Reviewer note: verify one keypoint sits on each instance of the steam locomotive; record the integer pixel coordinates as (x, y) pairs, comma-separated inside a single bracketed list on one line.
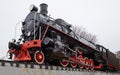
[(52, 41)]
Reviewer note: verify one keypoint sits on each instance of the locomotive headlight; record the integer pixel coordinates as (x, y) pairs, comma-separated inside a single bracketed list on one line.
[(28, 34), (33, 8)]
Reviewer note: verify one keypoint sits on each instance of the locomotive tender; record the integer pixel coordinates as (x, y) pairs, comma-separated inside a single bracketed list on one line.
[(52, 41)]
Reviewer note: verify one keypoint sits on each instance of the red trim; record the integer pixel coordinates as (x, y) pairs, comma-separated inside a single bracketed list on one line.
[(45, 33), (23, 54), (74, 58), (99, 66), (86, 62), (112, 66), (80, 52), (11, 51), (64, 63), (91, 63), (31, 44), (69, 36), (73, 65), (39, 57)]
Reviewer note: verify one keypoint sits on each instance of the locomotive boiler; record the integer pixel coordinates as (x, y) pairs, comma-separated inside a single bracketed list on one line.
[(45, 40)]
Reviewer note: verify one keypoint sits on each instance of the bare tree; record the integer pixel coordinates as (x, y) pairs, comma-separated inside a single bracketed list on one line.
[(118, 54), (80, 31)]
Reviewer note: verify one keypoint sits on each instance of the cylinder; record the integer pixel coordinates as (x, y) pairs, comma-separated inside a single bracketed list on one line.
[(43, 8)]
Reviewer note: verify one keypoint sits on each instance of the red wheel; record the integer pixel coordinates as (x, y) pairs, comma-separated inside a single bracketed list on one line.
[(91, 64), (39, 57), (64, 63), (81, 61), (86, 62), (73, 65)]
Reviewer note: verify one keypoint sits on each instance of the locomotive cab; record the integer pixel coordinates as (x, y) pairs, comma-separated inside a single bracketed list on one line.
[(108, 58)]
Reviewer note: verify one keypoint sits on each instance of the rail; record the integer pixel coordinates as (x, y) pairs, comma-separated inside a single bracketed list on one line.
[(26, 68)]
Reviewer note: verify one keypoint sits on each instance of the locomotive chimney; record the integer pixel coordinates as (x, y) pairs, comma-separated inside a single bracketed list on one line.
[(43, 8)]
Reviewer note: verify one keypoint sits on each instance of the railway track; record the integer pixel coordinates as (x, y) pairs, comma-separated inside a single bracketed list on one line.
[(26, 68)]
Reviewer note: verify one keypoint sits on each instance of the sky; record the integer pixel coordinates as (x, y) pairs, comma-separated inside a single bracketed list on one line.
[(98, 17)]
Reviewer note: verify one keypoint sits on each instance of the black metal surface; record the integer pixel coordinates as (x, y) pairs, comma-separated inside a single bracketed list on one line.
[(43, 8)]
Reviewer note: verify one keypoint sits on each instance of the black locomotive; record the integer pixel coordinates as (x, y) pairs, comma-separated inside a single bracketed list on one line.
[(52, 41)]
